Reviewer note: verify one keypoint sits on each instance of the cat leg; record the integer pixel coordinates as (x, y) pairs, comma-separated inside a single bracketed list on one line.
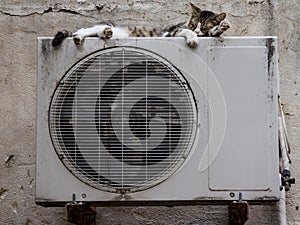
[(79, 35), (191, 37), (60, 36), (102, 31), (220, 29)]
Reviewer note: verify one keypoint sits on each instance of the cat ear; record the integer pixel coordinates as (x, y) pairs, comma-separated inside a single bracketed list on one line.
[(220, 17), (195, 9)]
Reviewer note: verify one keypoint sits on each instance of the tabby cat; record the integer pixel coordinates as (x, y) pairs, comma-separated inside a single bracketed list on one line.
[(207, 23), (202, 23)]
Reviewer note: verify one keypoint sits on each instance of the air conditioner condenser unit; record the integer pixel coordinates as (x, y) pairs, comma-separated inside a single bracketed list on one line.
[(152, 121)]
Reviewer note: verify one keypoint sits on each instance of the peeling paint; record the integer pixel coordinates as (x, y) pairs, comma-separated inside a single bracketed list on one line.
[(3, 193), (9, 159), (21, 189), (14, 208), (100, 7), (252, 2), (28, 173), (22, 11), (30, 183), (29, 11)]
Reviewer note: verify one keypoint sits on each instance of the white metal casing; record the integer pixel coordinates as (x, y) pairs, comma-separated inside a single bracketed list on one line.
[(235, 84)]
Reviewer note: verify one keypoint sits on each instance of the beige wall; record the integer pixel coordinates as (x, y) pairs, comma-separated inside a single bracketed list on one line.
[(23, 21)]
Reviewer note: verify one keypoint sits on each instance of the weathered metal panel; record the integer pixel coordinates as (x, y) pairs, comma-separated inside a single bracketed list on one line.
[(235, 86)]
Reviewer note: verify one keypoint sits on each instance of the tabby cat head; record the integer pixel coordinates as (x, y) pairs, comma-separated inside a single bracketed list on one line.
[(204, 20)]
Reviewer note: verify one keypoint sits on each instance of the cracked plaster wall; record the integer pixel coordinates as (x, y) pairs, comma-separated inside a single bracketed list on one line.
[(23, 21)]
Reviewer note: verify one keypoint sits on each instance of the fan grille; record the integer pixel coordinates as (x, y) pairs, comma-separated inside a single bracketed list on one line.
[(122, 119)]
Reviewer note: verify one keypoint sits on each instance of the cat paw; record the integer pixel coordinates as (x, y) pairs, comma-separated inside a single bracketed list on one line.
[(107, 33), (217, 31), (224, 25), (193, 42), (77, 39)]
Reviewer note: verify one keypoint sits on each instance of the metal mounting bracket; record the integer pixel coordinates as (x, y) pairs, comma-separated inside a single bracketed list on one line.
[(238, 212), (80, 213)]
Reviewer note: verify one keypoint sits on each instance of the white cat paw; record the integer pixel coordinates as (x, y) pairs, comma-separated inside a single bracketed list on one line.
[(193, 42), (77, 39)]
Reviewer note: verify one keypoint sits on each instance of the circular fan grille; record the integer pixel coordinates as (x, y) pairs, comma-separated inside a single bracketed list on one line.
[(122, 119)]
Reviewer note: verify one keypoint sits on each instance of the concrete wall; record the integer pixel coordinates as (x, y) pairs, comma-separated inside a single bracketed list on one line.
[(23, 21)]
